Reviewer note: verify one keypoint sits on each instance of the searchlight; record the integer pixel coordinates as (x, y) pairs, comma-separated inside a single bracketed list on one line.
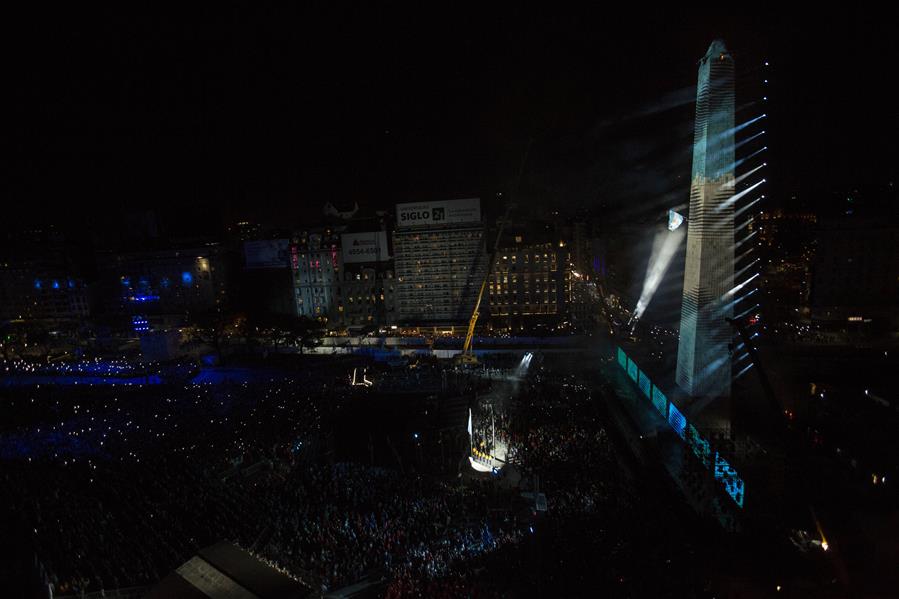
[(675, 220)]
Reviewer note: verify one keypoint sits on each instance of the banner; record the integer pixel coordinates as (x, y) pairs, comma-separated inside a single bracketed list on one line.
[(448, 212), (364, 247)]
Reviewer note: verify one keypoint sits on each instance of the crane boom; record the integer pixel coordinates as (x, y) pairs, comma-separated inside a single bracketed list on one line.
[(466, 356)]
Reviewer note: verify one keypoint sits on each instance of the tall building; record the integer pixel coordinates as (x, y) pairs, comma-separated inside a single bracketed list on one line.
[(440, 261), (703, 357)]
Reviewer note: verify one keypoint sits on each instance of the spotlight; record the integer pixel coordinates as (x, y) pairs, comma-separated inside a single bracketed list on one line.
[(674, 220)]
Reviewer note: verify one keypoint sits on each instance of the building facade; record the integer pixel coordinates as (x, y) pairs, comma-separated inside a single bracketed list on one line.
[(529, 285), (440, 261), (164, 282), (341, 285), (703, 357)]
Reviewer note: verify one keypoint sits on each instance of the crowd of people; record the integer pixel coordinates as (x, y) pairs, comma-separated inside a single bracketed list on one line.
[(120, 485)]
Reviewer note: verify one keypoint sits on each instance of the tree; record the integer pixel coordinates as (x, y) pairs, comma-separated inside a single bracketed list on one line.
[(282, 329), (215, 328)]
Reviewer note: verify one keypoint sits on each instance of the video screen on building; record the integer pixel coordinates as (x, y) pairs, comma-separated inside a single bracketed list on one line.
[(632, 370), (622, 358)]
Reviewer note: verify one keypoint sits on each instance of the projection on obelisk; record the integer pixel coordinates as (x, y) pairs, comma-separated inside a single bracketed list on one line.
[(703, 358)]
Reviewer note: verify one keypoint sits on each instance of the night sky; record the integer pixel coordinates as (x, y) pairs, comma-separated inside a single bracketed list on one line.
[(232, 114)]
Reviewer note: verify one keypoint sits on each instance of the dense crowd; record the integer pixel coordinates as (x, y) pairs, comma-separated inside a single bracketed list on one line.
[(121, 485)]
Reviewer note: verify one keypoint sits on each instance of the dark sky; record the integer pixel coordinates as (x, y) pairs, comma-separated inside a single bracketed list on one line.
[(238, 113)]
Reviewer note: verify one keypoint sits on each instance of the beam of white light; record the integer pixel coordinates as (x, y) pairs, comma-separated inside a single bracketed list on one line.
[(749, 173), (749, 139), (741, 126), (712, 367), (745, 239), (745, 268), (732, 199), (741, 285), (745, 314), (744, 371), (748, 206), (743, 297), (743, 255), (743, 226), (664, 246)]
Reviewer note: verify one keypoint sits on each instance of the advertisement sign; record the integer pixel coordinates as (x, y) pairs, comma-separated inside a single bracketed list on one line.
[(449, 212), (364, 247), (266, 253)]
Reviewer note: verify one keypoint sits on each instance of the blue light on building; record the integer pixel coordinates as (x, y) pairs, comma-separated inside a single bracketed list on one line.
[(187, 278), (37, 283), (126, 281), (140, 324), (55, 284), (144, 298)]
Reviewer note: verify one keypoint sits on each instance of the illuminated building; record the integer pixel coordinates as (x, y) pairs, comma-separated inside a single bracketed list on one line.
[(316, 267), (340, 285), (440, 261), (703, 362), (171, 281), (528, 284), (39, 279)]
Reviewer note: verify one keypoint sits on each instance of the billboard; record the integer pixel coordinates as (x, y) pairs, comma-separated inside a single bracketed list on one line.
[(266, 253), (364, 247), (449, 212)]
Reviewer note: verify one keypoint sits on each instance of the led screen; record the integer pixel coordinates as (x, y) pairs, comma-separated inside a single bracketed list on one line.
[(700, 446), (733, 484), (644, 384), (660, 401), (622, 358), (632, 370), (676, 420)]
